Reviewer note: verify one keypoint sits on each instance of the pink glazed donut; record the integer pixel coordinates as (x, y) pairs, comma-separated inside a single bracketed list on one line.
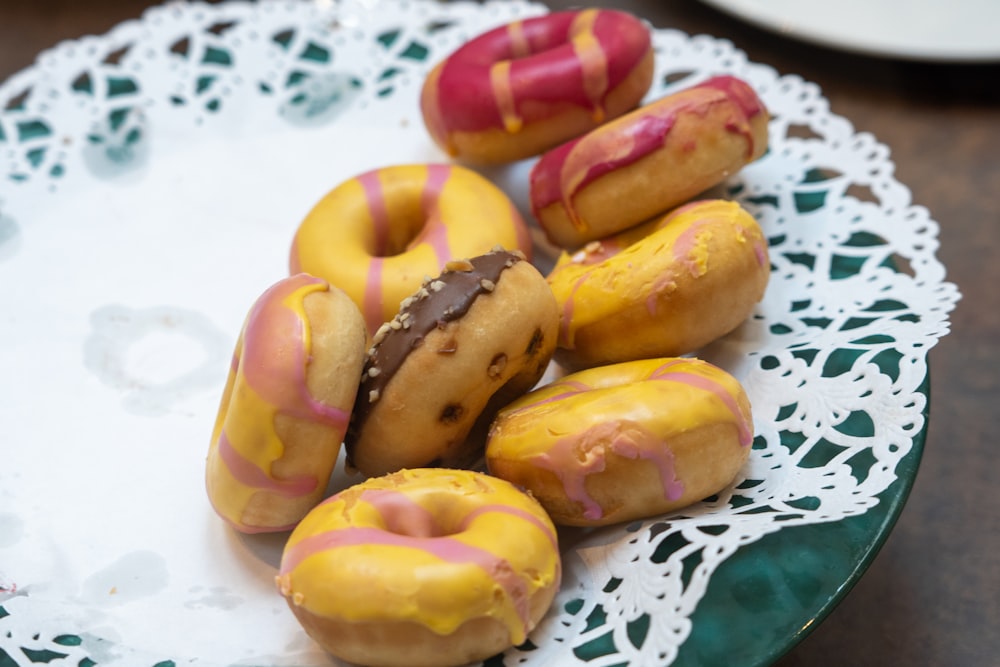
[(648, 161), (525, 87)]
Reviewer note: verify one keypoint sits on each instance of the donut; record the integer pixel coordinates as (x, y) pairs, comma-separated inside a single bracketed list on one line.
[(648, 161), (624, 441), (665, 288), (465, 344), (286, 404), (422, 568), (377, 235), (520, 89)]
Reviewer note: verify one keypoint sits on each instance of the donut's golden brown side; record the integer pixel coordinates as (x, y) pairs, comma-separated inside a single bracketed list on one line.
[(472, 340), (624, 441), (666, 288), (425, 567), (648, 161), (377, 643), (286, 405)]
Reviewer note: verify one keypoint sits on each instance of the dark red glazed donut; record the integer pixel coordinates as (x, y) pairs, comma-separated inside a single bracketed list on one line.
[(520, 89)]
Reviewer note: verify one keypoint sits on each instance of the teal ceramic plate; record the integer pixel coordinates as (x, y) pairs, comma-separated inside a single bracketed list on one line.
[(151, 182)]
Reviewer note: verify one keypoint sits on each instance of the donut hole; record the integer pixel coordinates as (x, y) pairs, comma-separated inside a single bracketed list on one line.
[(497, 365), (411, 225), (440, 512), (408, 213)]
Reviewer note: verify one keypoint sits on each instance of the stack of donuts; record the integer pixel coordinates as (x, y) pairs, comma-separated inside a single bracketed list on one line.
[(415, 330)]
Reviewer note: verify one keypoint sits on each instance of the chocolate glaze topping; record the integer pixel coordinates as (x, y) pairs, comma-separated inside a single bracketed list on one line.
[(439, 301)]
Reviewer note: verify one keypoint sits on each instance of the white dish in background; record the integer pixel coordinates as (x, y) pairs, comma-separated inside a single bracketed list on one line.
[(931, 30)]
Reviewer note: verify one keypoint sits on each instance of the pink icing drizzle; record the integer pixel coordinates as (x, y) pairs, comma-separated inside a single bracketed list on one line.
[(371, 303), (375, 199), (562, 172), (524, 515), (447, 549), (434, 232), (606, 249), (572, 389), (401, 514), (739, 92), (274, 359), (709, 385), (249, 474), (575, 457)]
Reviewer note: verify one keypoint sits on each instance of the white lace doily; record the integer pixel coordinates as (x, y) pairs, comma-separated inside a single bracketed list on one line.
[(150, 184)]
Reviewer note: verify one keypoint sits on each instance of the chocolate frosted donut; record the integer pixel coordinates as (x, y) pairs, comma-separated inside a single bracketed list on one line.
[(464, 345)]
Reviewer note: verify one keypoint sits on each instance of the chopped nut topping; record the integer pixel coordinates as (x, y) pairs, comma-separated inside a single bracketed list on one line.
[(373, 395), (381, 333), (374, 371), (395, 324), (497, 366), (459, 265), (487, 285), (437, 285)]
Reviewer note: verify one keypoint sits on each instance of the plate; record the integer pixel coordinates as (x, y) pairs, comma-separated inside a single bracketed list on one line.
[(152, 180), (964, 31)]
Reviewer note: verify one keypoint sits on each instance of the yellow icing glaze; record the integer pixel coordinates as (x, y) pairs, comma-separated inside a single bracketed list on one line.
[(646, 264), (376, 236), (245, 443), (631, 410), (436, 547), (504, 93), (520, 47), (593, 61)]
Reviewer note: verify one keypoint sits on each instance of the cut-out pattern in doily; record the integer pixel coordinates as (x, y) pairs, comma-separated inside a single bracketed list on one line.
[(833, 359)]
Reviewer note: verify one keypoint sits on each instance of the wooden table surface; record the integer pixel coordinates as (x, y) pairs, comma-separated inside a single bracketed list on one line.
[(932, 596)]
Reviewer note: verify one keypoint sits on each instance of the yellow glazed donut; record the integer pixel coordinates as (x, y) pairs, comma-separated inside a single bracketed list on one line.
[(648, 161), (286, 405), (624, 441), (527, 86), (665, 288), (465, 344), (376, 236), (425, 567)]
